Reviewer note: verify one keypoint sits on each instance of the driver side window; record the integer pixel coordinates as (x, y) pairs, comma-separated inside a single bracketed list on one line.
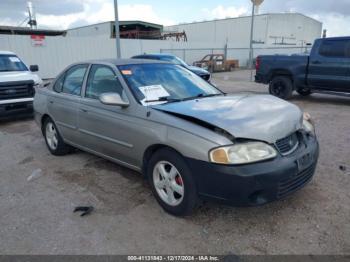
[(102, 80)]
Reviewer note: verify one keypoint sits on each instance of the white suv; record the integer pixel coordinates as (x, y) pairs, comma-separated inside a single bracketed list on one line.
[(17, 85)]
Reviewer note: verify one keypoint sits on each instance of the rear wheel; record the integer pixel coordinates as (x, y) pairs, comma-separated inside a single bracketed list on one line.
[(304, 91), (282, 87), (53, 139), (172, 182)]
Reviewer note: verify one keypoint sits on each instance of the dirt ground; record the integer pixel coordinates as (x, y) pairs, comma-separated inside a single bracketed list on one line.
[(36, 212)]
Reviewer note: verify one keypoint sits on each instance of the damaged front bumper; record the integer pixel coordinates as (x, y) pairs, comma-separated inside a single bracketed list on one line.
[(257, 183)]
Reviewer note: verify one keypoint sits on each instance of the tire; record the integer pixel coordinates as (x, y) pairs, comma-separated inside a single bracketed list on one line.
[(304, 91), (53, 139), (178, 179), (282, 87)]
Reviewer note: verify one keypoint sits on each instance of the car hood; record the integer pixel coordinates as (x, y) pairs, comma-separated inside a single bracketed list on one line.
[(197, 70), (259, 117), (19, 76)]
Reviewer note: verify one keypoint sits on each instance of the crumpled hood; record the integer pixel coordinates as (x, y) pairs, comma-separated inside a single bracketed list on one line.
[(19, 76), (259, 117)]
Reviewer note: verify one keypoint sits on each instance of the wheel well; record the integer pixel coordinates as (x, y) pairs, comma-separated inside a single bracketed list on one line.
[(43, 119), (281, 73), (150, 151)]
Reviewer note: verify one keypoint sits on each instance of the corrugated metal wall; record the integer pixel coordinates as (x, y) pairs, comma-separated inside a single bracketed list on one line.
[(268, 28), (58, 52)]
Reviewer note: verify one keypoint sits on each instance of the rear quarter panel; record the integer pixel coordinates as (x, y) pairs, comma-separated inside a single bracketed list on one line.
[(294, 65)]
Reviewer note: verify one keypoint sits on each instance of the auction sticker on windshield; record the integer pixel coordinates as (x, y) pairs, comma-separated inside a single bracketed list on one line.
[(153, 92)]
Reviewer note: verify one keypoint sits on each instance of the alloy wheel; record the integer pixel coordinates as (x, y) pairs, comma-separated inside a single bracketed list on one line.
[(168, 183), (51, 136)]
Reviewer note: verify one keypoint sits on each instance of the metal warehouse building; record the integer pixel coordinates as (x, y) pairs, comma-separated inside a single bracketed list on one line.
[(270, 29)]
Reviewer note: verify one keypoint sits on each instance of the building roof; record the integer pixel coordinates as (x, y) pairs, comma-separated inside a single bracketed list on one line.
[(147, 24), (246, 16), (15, 30), (124, 23)]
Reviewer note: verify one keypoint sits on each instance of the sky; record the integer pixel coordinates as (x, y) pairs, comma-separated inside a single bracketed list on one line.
[(63, 14)]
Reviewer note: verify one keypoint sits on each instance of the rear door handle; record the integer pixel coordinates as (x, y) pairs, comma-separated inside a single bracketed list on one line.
[(83, 110), (316, 62), (51, 102)]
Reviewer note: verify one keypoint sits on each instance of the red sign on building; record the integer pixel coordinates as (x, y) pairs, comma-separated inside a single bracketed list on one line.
[(37, 40)]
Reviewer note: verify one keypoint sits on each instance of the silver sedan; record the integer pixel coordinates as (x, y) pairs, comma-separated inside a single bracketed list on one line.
[(189, 139)]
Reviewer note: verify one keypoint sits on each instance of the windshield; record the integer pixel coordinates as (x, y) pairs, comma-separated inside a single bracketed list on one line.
[(175, 60), (162, 83), (11, 63)]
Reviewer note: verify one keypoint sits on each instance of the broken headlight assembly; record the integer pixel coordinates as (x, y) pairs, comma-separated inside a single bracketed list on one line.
[(242, 153), (308, 125)]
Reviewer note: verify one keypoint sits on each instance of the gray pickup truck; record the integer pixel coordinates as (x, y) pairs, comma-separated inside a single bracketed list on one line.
[(325, 70)]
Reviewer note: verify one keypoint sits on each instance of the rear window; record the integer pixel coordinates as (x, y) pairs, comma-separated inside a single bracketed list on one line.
[(335, 48)]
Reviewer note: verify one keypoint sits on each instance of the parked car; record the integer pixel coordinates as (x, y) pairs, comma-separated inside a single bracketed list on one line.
[(187, 137), (217, 63), (325, 70), (17, 85), (177, 61)]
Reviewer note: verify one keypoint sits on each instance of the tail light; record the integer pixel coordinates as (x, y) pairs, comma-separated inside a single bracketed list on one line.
[(257, 63)]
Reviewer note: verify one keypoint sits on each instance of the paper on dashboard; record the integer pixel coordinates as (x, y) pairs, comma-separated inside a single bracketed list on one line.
[(153, 92)]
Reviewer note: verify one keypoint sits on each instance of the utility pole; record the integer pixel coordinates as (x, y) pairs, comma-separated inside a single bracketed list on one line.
[(255, 3), (251, 37), (116, 24)]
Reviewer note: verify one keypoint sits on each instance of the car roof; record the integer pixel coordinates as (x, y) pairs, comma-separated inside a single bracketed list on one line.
[(129, 61), (336, 38), (6, 53), (155, 55)]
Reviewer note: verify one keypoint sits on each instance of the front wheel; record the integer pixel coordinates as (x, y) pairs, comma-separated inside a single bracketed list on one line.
[(282, 87), (172, 182)]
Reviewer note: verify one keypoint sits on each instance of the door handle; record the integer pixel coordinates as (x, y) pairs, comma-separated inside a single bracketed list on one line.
[(51, 102), (316, 62), (83, 110)]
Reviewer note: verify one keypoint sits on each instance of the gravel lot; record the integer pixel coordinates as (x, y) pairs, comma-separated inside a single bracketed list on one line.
[(36, 216)]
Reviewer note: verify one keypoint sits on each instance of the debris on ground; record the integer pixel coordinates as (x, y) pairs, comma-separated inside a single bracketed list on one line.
[(35, 174), (342, 168), (86, 210)]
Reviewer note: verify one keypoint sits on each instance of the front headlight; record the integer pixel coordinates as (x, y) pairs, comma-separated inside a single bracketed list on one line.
[(242, 153), (307, 124)]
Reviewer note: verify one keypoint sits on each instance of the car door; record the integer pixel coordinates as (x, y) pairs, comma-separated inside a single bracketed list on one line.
[(329, 68), (219, 62), (106, 129), (63, 103)]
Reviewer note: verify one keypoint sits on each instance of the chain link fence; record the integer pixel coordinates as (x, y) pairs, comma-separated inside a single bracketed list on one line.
[(191, 55)]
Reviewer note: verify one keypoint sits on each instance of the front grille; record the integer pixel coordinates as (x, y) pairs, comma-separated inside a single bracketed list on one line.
[(288, 144), (294, 183), (13, 90)]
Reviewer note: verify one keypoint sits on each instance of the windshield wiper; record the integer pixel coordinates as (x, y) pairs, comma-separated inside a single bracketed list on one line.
[(165, 99), (201, 95)]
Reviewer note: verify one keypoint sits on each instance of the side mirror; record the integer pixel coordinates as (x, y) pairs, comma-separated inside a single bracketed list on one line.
[(34, 68), (113, 99)]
